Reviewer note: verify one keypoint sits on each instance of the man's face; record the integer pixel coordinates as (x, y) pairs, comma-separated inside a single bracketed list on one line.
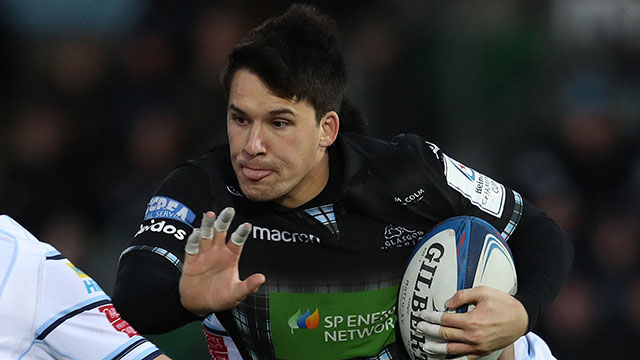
[(277, 146)]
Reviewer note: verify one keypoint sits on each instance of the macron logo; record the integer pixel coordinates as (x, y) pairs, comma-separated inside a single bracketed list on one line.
[(167, 208)]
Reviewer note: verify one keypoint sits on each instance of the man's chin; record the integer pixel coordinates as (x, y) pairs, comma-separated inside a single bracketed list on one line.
[(258, 192)]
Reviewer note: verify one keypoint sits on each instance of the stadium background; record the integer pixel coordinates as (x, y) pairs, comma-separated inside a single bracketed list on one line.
[(100, 100)]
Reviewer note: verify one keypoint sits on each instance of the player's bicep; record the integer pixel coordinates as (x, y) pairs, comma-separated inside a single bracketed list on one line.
[(480, 195), (150, 266), (163, 237), (466, 191), (171, 213)]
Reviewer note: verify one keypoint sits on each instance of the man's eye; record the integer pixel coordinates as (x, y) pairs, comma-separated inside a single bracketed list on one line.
[(239, 119), (279, 124)]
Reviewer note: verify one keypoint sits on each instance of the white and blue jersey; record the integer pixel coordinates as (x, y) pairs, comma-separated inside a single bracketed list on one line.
[(49, 309), (532, 347)]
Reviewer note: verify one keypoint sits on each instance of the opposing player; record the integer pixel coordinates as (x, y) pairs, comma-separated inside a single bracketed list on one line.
[(49, 309), (334, 218)]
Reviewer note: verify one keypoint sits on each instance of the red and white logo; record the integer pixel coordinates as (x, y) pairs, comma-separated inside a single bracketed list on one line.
[(217, 347), (116, 321)]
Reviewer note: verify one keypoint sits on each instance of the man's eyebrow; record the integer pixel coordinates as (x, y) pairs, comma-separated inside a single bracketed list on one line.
[(282, 111), (274, 112), (236, 109)]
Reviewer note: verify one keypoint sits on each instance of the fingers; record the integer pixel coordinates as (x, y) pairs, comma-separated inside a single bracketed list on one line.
[(206, 226), (468, 333), (429, 329), (435, 347), (213, 227), (221, 225), (204, 232), (465, 296), (433, 326), (449, 333), (438, 347), (193, 243), (434, 317), (436, 331), (223, 221), (239, 237), (449, 321)]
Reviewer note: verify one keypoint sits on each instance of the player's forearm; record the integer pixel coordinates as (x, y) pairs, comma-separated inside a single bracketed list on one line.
[(146, 294), (543, 254)]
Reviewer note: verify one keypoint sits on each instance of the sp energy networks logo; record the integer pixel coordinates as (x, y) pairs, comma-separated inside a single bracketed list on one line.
[(343, 325), (304, 321)]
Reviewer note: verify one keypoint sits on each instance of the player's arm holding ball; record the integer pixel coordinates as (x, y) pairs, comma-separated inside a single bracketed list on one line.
[(543, 255)]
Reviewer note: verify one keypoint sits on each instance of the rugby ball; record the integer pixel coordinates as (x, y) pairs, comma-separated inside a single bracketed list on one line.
[(459, 253)]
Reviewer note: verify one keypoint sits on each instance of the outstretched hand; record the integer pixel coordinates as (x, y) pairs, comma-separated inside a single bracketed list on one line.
[(497, 320), (210, 280)]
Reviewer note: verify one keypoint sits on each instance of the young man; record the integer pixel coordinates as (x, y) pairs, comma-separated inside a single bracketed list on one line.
[(49, 309), (334, 218)]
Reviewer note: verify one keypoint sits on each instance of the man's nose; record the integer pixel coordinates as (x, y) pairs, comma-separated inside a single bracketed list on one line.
[(255, 143)]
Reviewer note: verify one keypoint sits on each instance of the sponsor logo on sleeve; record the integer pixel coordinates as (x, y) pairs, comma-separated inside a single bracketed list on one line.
[(90, 284), (162, 227), (217, 347), (116, 321), (485, 193), (167, 208), (78, 272)]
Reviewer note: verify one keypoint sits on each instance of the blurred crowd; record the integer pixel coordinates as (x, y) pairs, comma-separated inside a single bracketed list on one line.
[(101, 100)]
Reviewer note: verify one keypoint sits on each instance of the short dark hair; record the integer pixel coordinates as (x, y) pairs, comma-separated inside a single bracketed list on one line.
[(297, 56)]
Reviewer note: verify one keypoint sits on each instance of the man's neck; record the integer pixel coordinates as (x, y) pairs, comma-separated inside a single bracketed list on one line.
[(310, 186)]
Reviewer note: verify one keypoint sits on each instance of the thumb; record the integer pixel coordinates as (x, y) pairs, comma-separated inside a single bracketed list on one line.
[(462, 297), (249, 286)]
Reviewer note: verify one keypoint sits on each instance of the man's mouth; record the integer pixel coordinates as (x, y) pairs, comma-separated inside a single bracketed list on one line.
[(255, 174)]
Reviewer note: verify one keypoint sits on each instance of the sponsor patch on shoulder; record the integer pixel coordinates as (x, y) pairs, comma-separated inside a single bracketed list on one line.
[(167, 208), (484, 192), (117, 321)]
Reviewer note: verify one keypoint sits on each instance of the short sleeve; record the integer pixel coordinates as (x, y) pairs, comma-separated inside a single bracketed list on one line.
[(78, 321)]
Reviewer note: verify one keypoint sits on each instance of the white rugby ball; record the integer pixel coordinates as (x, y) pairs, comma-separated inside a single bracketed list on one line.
[(459, 253)]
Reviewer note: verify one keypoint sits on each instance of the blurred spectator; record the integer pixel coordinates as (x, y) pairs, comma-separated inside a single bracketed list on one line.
[(64, 18), (72, 232), (573, 320), (39, 173), (632, 305), (582, 175), (201, 97)]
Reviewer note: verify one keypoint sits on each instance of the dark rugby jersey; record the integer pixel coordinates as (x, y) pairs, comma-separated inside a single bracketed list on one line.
[(333, 265)]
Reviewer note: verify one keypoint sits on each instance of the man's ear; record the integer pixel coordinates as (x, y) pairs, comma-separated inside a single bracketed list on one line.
[(329, 124)]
